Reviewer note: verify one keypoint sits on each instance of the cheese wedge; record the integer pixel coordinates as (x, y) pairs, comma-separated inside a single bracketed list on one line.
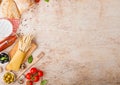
[(10, 9), (24, 5)]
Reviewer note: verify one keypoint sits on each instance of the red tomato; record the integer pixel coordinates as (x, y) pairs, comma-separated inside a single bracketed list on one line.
[(36, 78), (37, 1), (33, 70), (40, 73), (29, 83), (28, 76)]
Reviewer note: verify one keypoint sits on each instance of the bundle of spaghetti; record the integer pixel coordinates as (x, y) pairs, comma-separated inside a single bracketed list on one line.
[(23, 47)]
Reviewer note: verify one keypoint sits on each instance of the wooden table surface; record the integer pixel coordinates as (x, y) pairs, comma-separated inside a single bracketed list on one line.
[(80, 38)]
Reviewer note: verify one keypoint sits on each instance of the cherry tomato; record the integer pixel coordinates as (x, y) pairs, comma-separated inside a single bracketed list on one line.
[(28, 76), (29, 83), (36, 78), (40, 73), (37, 1), (33, 70)]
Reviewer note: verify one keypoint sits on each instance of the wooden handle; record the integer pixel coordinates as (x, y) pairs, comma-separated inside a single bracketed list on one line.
[(33, 63)]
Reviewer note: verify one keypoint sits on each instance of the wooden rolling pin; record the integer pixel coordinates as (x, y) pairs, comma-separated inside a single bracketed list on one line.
[(33, 63)]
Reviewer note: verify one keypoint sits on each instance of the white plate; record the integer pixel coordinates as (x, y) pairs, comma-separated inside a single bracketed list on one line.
[(6, 28)]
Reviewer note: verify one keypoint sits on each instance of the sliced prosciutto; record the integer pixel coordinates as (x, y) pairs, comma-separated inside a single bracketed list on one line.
[(15, 23)]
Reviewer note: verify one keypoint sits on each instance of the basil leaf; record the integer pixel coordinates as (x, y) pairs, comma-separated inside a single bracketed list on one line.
[(47, 0), (43, 82), (30, 59)]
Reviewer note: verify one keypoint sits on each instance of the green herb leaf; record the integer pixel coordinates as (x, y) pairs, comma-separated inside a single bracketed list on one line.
[(3, 58), (43, 82), (47, 0), (30, 59)]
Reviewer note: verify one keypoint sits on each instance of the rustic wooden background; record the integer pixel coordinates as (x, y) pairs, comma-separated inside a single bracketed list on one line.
[(81, 40)]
